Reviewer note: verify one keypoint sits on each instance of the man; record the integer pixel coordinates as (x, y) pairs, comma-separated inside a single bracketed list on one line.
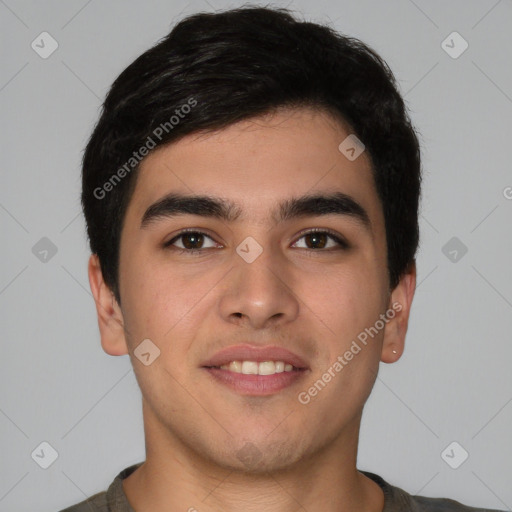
[(251, 197)]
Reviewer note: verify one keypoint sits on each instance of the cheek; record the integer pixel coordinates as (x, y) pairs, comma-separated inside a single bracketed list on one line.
[(146, 298), (166, 302), (345, 300)]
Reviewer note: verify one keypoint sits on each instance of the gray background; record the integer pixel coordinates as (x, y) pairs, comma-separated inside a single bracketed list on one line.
[(454, 381)]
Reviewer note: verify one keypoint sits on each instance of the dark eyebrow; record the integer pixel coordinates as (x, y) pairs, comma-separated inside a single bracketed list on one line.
[(336, 203), (173, 204)]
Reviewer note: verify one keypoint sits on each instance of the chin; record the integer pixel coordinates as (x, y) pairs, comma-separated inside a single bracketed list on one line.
[(259, 458)]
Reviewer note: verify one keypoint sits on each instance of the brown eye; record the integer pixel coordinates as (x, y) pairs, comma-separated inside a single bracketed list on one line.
[(318, 239), (190, 241)]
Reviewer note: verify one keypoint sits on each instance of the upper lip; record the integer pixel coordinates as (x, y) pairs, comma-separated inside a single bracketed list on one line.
[(247, 352)]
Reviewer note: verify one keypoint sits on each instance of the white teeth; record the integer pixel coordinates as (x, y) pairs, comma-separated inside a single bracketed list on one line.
[(255, 368), (279, 366), (250, 368), (236, 366), (267, 368)]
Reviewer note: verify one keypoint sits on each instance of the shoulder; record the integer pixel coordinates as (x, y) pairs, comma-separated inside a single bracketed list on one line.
[(398, 500), (425, 504), (98, 503), (111, 500)]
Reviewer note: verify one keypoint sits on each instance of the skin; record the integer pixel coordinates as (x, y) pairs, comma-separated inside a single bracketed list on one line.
[(313, 302)]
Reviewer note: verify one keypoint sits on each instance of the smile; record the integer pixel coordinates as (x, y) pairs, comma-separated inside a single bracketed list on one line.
[(258, 368)]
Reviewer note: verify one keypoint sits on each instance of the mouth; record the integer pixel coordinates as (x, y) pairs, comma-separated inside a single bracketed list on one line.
[(257, 371), (257, 368)]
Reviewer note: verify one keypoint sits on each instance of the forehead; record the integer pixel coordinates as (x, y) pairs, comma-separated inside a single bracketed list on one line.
[(257, 163)]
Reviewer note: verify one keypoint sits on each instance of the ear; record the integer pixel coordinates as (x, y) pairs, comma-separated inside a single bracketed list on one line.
[(400, 302), (110, 317)]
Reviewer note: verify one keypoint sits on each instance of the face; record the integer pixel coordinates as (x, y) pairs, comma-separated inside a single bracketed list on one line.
[(272, 280)]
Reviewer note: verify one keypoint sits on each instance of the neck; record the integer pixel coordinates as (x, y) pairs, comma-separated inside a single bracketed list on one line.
[(175, 477)]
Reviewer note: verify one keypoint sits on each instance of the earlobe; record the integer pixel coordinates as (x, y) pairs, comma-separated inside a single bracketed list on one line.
[(396, 329), (110, 318)]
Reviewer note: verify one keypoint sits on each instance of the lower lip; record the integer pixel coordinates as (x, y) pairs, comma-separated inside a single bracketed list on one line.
[(257, 385)]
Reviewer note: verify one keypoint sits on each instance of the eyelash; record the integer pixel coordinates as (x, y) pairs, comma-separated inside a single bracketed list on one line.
[(340, 241)]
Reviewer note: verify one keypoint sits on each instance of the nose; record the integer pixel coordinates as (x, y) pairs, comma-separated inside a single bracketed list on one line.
[(259, 294)]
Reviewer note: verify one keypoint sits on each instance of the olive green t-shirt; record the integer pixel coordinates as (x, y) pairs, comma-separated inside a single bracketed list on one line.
[(395, 499)]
